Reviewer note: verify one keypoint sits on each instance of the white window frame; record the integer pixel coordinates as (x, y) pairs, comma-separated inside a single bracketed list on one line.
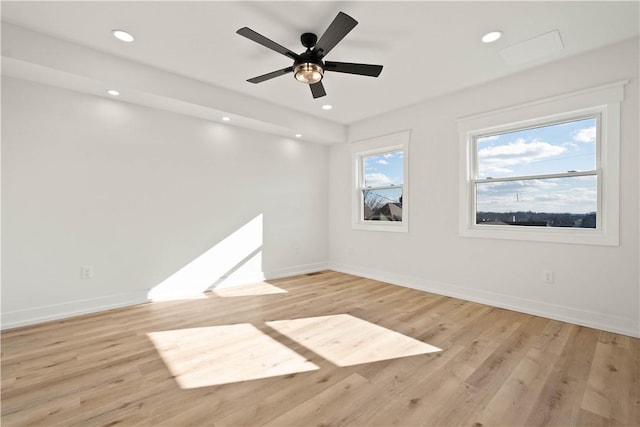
[(359, 150), (603, 102)]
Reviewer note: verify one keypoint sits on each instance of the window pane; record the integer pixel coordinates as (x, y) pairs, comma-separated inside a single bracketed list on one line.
[(383, 169), (557, 148), (383, 205), (551, 202)]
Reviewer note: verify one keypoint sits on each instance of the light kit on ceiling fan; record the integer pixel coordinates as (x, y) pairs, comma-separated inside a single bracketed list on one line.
[(309, 67), (308, 72)]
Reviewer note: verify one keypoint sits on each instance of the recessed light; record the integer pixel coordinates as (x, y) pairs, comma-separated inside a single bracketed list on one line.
[(226, 119), (123, 35), (113, 92), (492, 36), (327, 107), (298, 135)]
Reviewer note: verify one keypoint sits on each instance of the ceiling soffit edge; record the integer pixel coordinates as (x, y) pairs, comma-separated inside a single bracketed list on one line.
[(33, 56)]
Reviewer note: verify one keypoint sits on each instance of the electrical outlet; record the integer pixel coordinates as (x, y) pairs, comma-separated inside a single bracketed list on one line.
[(547, 276), (86, 272)]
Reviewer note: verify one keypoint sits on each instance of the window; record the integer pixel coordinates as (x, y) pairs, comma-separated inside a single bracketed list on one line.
[(380, 177), (550, 175), (544, 176), (381, 186)]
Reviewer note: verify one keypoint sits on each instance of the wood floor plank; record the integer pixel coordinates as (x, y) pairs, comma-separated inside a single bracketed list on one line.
[(561, 398), (492, 367), (607, 392), (514, 401), (320, 406), (490, 376)]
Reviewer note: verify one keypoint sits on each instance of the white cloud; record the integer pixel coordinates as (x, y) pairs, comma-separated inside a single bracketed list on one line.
[(585, 135), (520, 148), (376, 179), (498, 159), (388, 155), (540, 195), (571, 145), (382, 162), (488, 138)]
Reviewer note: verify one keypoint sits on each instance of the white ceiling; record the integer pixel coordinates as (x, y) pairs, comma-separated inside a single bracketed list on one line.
[(427, 48)]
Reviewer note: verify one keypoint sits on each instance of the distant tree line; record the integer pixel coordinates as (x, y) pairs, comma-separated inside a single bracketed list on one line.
[(587, 220)]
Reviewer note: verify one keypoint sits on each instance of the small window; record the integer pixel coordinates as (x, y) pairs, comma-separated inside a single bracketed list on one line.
[(382, 184), (380, 174), (544, 171)]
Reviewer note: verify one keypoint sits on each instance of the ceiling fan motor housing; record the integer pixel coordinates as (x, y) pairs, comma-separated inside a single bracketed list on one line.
[(308, 40)]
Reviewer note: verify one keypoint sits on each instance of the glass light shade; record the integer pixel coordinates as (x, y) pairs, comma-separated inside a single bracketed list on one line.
[(308, 72)]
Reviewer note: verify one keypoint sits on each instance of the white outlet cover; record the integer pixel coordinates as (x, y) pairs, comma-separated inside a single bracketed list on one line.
[(86, 272)]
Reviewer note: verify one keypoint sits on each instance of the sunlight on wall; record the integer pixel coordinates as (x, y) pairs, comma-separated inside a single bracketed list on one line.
[(345, 340), (243, 272), (236, 258), (213, 355)]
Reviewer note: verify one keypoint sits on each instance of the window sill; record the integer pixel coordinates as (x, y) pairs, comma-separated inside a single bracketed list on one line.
[(387, 226), (542, 234)]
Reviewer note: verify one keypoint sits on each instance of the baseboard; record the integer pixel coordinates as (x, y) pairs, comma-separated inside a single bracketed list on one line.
[(295, 270), (30, 316), (34, 315), (616, 324), (573, 315)]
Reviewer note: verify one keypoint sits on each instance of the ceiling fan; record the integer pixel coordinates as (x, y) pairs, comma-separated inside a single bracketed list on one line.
[(309, 67)]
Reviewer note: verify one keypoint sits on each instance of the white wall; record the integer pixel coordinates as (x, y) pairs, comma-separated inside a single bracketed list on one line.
[(594, 285), (138, 194)]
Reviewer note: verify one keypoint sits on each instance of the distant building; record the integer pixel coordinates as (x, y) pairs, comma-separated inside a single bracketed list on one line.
[(368, 213), (390, 212)]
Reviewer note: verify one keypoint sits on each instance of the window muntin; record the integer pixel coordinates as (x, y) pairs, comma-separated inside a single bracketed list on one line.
[(542, 176), (382, 186)]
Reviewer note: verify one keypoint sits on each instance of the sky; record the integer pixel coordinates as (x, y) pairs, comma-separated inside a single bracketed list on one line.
[(385, 169), (558, 148)]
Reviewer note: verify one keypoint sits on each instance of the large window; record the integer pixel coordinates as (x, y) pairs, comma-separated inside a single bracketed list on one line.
[(545, 176), (380, 177), (551, 174)]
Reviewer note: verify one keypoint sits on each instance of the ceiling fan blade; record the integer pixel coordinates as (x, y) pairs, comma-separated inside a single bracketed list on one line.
[(339, 28), (317, 90), (260, 39), (351, 68), (271, 75)]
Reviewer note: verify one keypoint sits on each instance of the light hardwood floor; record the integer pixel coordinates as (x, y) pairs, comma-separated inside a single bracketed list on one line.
[(318, 350)]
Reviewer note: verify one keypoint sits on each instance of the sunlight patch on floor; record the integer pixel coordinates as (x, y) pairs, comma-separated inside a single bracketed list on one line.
[(345, 340), (214, 355), (249, 289)]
